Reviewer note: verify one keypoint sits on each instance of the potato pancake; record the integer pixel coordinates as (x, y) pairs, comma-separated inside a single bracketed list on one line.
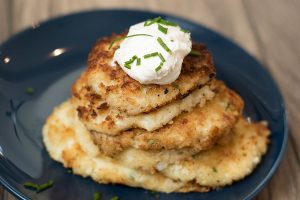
[(107, 86), (112, 122), (197, 130), (207, 170)]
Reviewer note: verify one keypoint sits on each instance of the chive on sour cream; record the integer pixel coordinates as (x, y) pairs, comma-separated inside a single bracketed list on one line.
[(153, 51)]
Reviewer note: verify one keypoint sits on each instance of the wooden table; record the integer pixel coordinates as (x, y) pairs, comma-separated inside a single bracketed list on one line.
[(269, 30)]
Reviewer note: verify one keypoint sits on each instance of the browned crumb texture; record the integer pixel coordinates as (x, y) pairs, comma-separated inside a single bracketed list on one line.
[(197, 130), (197, 150), (105, 86), (105, 120), (72, 146)]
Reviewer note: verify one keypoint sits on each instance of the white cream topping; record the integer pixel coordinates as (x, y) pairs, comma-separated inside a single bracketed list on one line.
[(148, 72)]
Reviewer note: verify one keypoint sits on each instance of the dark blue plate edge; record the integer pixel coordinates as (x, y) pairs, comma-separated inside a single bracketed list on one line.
[(277, 163), (9, 188), (272, 171)]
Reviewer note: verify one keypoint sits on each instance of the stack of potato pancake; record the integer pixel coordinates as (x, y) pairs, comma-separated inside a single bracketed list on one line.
[(189, 135)]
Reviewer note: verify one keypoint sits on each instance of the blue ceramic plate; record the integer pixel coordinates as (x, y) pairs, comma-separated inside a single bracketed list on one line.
[(50, 56)]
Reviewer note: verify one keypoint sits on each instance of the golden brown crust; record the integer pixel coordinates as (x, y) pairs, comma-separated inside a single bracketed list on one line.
[(112, 122), (217, 167), (102, 83), (72, 146), (198, 129), (197, 151), (65, 146)]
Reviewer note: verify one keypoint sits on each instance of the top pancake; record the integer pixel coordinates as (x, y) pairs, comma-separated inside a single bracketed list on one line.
[(104, 85)]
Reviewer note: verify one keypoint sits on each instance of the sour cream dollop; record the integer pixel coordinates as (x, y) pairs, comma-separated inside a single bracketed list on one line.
[(159, 69)]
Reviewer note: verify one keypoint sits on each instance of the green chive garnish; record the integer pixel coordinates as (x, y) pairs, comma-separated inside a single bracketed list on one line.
[(162, 29), (151, 55), (147, 22), (150, 142), (152, 21), (38, 188), (138, 62), (45, 186), (194, 53), (161, 57), (167, 23), (97, 196), (127, 66), (175, 85), (214, 169), (160, 21), (163, 45), (29, 90), (131, 176), (30, 185), (122, 38), (115, 198), (159, 67), (131, 60)]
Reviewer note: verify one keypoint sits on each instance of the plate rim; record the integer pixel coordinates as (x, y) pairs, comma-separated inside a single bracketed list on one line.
[(278, 161)]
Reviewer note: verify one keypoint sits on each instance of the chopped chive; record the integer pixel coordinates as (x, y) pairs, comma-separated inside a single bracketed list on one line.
[(159, 66), (151, 55), (131, 176), (163, 45), (160, 21), (38, 188), (165, 22), (115, 198), (194, 53), (157, 19), (138, 62), (147, 22), (30, 185), (150, 142), (97, 196), (214, 169), (131, 60), (175, 85), (161, 57), (152, 21), (45, 186), (115, 40), (129, 36), (127, 66), (127, 63), (29, 90), (162, 29)]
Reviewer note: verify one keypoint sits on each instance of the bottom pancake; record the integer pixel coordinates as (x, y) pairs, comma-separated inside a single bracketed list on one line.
[(76, 150), (68, 142)]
